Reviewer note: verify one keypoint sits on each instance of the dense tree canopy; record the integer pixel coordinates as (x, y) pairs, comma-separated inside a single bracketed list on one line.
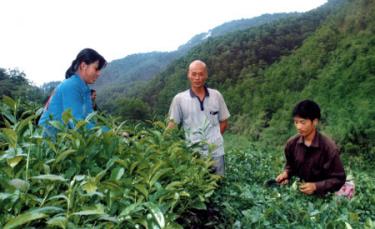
[(13, 83), (127, 77), (326, 55)]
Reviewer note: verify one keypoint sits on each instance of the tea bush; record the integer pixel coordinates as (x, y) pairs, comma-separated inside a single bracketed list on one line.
[(244, 201), (151, 179), (95, 178)]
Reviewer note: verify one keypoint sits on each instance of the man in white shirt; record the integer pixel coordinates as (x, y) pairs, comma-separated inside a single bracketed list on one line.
[(203, 114)]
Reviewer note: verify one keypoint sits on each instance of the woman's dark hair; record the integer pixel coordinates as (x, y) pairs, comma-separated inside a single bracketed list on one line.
[(87, 56), (307, 109)]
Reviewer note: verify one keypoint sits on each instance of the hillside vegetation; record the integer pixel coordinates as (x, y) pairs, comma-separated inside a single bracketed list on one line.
[(14, 83), (326, 55), (125, 77), (151, 179), (94, 179)]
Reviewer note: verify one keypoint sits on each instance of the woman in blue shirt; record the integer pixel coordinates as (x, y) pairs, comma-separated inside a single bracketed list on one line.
[(74, 93)]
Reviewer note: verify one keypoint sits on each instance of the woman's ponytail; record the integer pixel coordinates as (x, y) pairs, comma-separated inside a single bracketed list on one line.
[(72, 69)]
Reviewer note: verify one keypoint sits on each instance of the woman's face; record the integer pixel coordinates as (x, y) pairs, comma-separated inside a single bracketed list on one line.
[(90, 72)]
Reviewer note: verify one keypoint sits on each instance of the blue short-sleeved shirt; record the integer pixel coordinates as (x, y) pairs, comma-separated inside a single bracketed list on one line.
[(201, 120), (73, 93)]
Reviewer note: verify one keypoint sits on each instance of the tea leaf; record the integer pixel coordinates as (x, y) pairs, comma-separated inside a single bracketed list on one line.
[(79, 177), (4, 196), (48, 209), (98, 210), (90, 116), (56, 124), (133, 166), (63, 155), (10, 135), (13, 151), (58, 221), (13, 162), (348, 226), (141, 188), (90, 212), (109, 218), (10, 102), (117, 173), (158, 175), (20, 184), (294, 186), (80, 124), (50, 177), (51, 146), (24, 218), (130, 209), (9, 117), (67, 116), (171, 186), (23, 123), (156, 213), (90, 186), (100, 175), (199, 205), (61, 196), (184, 193)]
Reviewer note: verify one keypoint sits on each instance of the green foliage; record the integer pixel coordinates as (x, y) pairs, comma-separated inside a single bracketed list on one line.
[(233, 26), (236, 61), (333, 67), (326, 55), (127, 77), (131, 109), (13, 83), (92, 178), (121, 78), (244, 201)]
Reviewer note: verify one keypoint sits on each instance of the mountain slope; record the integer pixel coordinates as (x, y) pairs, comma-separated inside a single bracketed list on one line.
[(326, 54), (234, 26), (237, 56), (123, 77), (335, 68)]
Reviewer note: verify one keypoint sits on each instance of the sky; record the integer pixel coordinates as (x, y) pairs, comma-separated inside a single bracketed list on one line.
[(42, 37)]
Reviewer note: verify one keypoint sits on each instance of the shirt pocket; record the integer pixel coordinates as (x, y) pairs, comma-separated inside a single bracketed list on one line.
[(213, 116)]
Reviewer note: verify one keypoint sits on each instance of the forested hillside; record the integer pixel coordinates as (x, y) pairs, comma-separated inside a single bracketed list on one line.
[(333, 67), (233, 56), (125, 77), (326, 54), (14, 83), (234, 26)]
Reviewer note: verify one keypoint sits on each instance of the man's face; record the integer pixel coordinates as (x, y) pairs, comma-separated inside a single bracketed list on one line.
[(197, 75), (304, 126)]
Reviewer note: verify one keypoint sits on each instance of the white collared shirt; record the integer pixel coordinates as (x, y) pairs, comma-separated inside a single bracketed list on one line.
[(201, 119)]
